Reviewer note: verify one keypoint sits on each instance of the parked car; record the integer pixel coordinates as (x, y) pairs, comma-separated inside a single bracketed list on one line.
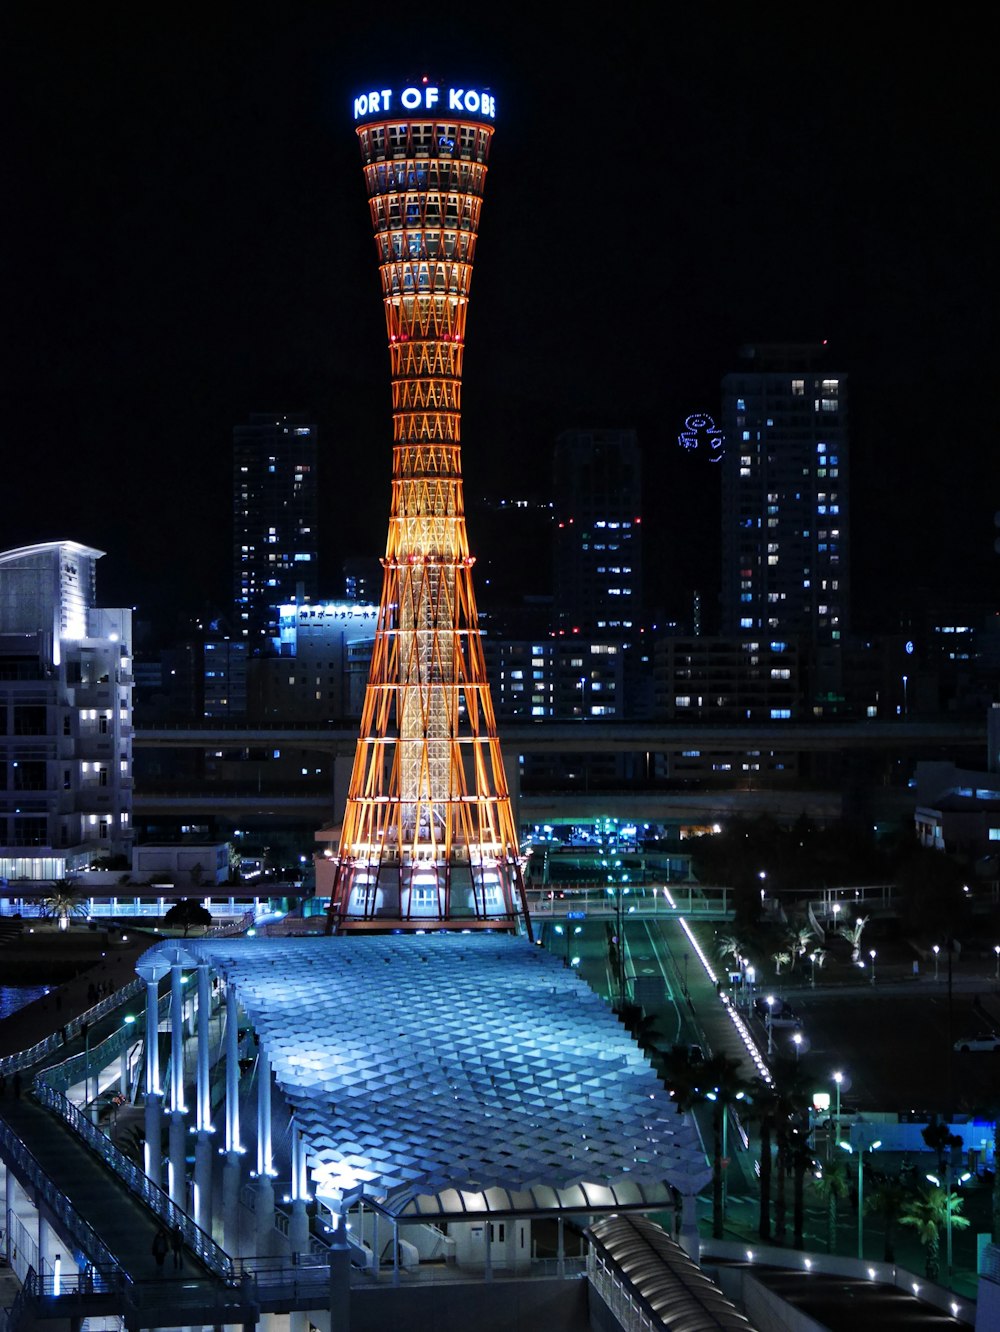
[(985, 1041), (782, 1013)]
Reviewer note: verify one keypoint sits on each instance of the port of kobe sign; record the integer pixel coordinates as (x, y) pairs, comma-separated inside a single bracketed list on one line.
[(425, 97)]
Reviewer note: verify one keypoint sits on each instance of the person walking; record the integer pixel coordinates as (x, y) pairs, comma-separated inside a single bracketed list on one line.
[(160, 1246), (177, 1246)]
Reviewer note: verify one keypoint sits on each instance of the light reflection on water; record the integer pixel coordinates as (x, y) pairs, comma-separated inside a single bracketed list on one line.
[(13, 997)]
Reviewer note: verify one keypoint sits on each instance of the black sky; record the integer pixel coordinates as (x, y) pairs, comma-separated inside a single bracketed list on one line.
[(186, 241)]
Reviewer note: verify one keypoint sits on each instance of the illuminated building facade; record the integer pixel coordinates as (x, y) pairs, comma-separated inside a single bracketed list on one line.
[(785, 566), (598, 538), (274, 521), (428, 833), (785, 539), (65, 715)]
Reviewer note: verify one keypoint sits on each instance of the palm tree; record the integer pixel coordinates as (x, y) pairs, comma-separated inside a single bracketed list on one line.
[(781, 958), (63, 901), (799, 941), (832, 1184), (887, 1199), (723, 1083), (801, 1154), (731, 949), (764, 1108), (926, 1212), (853, 933), (790, 1133)]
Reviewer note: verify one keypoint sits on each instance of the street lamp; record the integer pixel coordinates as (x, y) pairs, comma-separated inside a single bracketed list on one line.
[(797, 1041), (838, 1078), (861, 1188), (996, 949), (962, 1179), (770, 1029), (936, 950), (724, 1107), (871, 954)]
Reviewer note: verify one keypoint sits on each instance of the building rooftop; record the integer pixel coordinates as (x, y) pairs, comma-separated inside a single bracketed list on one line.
[(446, 1074)]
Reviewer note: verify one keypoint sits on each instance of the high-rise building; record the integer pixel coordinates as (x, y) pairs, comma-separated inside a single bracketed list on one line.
[(598, 533), (428, 833), (785, 533), (274, 521), (65, 715)]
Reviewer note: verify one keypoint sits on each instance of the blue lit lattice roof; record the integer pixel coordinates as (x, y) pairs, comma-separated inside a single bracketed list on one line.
[(426, 1069)]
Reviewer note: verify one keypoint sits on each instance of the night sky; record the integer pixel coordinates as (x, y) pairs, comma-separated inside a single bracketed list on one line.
[(187, 241)]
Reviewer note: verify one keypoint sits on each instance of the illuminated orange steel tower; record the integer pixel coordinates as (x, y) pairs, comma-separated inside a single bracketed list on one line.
[(428, 833)]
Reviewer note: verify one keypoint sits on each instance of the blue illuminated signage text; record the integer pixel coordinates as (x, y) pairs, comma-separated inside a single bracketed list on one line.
[(426, 97)]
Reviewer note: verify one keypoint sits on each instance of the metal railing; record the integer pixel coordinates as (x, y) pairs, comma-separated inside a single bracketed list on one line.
[(70, 1071), (74, 1027), (138, 1183), (59, 1206)]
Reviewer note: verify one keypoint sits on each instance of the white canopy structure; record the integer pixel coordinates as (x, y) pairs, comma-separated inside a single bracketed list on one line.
[(449, 1074)]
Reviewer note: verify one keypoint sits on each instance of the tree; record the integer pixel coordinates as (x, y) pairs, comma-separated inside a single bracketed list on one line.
[(724, 1085), (790, 1125), (939, 1138), (764, 1108), (926, 1212), (731, 949), (853, 933), (187, 912), (781, 958), (799, 942), (832, 1185), (63, 901), (887, 1199)]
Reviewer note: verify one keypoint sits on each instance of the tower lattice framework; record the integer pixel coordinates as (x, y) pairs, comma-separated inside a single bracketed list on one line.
[(428, 833)]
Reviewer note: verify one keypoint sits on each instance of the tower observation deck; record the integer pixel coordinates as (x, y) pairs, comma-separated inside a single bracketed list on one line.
[(428, 834)]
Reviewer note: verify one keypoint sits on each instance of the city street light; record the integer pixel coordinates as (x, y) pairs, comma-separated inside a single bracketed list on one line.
[(962, 1179), (770, 1029), (996, 949), (861, 1188), (871, 954), (936, 950), (797, 1041), (714, 1096), (838, 1078)]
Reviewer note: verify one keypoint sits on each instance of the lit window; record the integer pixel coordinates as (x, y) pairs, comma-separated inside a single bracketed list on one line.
[(798, 388)]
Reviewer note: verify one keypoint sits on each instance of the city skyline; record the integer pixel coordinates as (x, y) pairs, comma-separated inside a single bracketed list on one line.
[(183, 201)]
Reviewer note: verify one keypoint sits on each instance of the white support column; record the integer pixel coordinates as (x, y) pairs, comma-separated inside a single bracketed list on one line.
[(231, 1204), (178, 1132), (561, 1250), (264, 1190), (44, 1235), (203, 1121), (233, 1143), (152, 972), (340, 1280), (395, 1251), (488, 1270), (234, 1147), (265, 1162), (375, 1242), (204, 1096), (177, 1038), (298, 1225), (263, 1213)]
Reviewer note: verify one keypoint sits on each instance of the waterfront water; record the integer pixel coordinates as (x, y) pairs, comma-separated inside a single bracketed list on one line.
[(13, 997)]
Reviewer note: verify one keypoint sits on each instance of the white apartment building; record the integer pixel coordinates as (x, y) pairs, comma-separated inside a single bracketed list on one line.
[(65, 715)]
